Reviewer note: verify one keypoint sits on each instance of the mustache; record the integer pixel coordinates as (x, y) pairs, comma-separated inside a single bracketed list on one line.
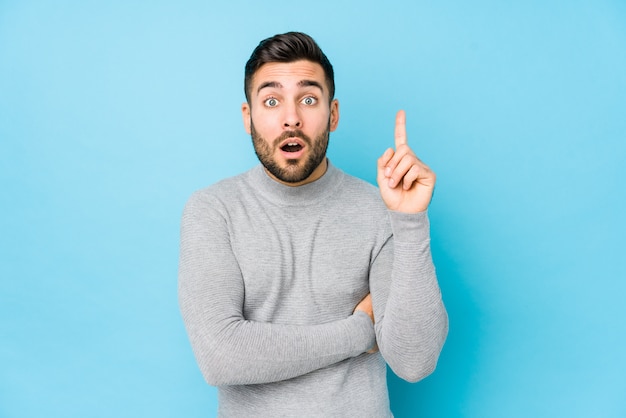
[(296, 133)]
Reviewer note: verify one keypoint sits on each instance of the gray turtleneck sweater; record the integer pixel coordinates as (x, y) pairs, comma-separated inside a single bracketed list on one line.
[(269, 278)]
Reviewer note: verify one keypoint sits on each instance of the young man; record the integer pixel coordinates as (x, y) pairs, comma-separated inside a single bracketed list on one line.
[(282, 266)]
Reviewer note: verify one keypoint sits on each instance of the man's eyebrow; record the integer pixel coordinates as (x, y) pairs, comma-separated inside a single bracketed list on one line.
[(310, 83), (277, 85), (270, 84)]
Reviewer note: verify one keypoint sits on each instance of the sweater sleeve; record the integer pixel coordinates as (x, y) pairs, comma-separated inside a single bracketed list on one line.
[(411, 320), (229, 349)]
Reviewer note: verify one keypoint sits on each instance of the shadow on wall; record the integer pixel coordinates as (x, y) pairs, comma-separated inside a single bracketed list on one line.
[(452, 378)]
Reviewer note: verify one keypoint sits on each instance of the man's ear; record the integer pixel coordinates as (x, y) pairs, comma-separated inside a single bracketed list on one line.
[(245, 114), (334, 114)]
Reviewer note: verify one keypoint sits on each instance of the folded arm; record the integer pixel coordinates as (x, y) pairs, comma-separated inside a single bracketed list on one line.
[(229, 349)]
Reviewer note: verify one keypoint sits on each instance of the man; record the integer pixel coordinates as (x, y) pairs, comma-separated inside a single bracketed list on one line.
[(297, 282)]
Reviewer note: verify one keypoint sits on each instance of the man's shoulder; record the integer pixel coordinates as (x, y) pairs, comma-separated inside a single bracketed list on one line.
[(222, 191), (358, 188), (361, 199), (358, 184)]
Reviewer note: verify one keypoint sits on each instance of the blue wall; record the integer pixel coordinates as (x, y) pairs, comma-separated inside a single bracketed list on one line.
[(112, 113)]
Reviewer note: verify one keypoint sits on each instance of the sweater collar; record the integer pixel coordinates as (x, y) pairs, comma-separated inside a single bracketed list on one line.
[(310, 193)]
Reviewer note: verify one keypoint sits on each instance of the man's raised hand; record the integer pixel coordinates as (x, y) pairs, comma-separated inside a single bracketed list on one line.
[(406, 184)]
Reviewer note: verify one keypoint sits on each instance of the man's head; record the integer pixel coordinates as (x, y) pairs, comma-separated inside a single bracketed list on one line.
[(290, 109), (285, 48)]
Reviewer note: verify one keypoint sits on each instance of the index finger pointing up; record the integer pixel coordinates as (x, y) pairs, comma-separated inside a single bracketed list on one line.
[(400, 133)]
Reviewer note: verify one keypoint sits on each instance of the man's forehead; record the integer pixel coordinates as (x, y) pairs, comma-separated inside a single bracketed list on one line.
[(282, 73)]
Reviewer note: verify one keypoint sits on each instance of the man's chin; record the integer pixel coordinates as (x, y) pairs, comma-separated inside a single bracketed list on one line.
[(293, 174)]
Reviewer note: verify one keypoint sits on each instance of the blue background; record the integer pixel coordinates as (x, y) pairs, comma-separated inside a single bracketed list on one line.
[(112, 113)]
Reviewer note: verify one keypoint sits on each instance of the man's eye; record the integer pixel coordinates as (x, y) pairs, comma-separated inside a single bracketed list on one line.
[(309, 101), (271, 102)]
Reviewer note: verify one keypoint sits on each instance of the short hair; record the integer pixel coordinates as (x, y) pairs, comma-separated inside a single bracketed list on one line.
[(288, 47)]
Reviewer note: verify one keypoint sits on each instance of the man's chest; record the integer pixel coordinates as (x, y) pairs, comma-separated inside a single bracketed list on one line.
[(302, 271)]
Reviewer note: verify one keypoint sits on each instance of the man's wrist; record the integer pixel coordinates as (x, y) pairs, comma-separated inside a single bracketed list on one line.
[(364, 337)]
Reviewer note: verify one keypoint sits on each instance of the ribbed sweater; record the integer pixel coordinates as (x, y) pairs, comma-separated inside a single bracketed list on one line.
[(269, 277)]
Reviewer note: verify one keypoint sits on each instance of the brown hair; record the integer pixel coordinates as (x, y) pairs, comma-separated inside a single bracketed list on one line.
[(288, 47)]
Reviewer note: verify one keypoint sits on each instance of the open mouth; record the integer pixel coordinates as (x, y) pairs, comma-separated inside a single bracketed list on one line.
[(291, 147)]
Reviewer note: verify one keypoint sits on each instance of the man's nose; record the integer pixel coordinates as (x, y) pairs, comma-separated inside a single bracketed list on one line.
[(292, 118)]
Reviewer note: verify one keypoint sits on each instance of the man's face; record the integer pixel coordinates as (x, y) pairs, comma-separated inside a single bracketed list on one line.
[(289, 117)]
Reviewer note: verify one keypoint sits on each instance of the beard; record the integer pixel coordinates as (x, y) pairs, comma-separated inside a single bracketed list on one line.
[(295, 170)]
